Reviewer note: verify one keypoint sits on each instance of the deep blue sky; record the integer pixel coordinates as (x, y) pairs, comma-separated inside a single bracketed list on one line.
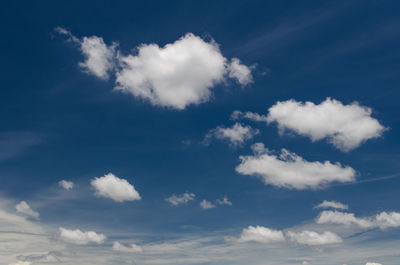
[(61, 123)]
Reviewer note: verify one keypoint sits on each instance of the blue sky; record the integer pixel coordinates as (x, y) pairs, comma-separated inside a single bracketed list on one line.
[(180, 132)]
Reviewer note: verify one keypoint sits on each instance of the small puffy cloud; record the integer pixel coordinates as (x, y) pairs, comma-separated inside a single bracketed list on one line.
[(383, 220), (224, 201), (204, 204), (117, 189), (240, 72), (81, 238), (335, 217), (259, 234), (292, 171), (99, 57), (68, 185), (179, 74), (332, 204), (182, 199), (345, 126), (132, 248), (312, 238), (235, 135), (25, 209)]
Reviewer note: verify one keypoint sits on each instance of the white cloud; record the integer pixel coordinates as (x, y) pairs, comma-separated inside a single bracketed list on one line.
[(99, 58), (133, 248), (224, 201), (204, 204), (183, 199), (115, 188), (336, 217), (66, 184), (382, 220), (313, 238), (292, 171), (241, 72), (236, 135), (81, 238), (345, 126), (25, 209), (387, 220), (332, 204), (178, 74), (259, 234), (372, 263)]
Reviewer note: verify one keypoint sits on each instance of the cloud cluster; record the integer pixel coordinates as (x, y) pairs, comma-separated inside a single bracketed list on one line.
[(260, 234), (345, 126), (204, 204), (382, 220), (224, 201), (235, 135), (332, 204), (132, 248), (117, 189), (81, 238), (292, 171), (179, 74), (25, 209), (182, 199)]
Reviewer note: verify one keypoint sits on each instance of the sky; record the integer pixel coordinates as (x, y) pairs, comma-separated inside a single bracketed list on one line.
[(200, 132)]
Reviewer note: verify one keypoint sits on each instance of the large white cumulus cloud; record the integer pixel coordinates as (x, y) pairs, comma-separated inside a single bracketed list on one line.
[(345, 126), (176, 75), (292, 171)]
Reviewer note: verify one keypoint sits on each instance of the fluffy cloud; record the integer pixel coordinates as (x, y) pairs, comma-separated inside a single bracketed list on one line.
[(313, 238), (183, 199), (25, 209), (336, 217), (292, 171), (387, 220), (99, 58), (382, 220), (66, 184), (178, 74), (259, 234), (332, 204), (81, 238), (224, 201), (133, 248), (204, 204), (236, 135), (372, 263), (115, 188), (345, 126)]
